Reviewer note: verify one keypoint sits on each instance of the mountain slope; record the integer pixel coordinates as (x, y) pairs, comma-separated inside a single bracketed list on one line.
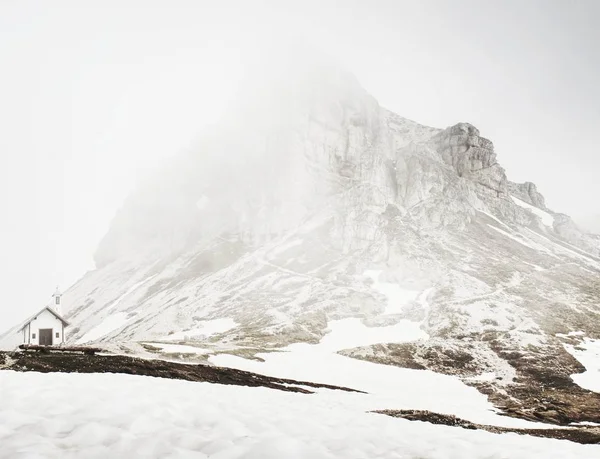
[(311, 203)]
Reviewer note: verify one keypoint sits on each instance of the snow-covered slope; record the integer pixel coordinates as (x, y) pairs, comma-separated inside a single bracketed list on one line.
[(310, 203), (98, 415)]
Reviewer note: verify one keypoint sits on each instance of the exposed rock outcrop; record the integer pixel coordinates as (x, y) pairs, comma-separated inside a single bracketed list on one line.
[(527, 192), (472, 156), (579, 434)]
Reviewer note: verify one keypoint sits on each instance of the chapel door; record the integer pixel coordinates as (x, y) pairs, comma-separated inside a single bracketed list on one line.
[(45, 336)]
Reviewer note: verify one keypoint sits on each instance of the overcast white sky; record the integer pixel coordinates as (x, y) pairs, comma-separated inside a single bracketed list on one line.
[(94, 94)]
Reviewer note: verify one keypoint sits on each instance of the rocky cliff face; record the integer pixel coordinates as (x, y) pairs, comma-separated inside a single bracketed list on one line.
[(472, 156)]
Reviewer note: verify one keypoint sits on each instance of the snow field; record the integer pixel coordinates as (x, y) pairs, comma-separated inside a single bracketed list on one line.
[(388, 387), (349, 333), (60, 415)]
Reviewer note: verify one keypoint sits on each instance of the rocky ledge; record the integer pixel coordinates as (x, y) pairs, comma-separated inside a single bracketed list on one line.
[(76, 363), (471, 155), (579, 434)]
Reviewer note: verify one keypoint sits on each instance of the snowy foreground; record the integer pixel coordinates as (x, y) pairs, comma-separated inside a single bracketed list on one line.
[(106, 415), (114, 415)]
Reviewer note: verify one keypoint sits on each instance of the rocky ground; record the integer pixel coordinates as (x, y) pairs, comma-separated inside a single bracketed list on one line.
[(580, 434), (80, 363), (551, 400), (540, 389)]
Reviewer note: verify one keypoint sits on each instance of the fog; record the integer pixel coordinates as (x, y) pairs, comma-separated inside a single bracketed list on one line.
[(96, 96)]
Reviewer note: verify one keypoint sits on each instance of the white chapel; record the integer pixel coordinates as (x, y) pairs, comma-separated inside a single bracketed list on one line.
[(47, 326)]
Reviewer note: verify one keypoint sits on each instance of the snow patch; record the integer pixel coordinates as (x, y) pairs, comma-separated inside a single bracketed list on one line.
[(514, 238), (571, 333), (108, 325), (128, 291), (547, 219), (484, 377), (496, 219), (588, 354), (349, 333), (526, 242)]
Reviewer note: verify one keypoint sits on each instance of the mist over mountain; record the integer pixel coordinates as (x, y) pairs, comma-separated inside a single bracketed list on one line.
[(590, 223), (310, 203)]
